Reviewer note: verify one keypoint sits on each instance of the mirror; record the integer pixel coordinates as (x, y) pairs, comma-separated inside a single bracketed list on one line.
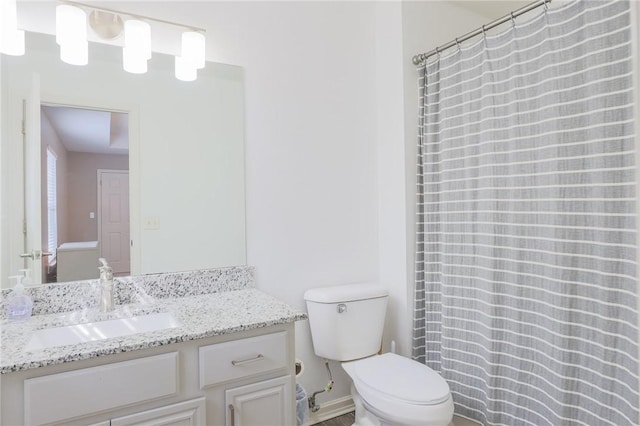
[(186, 155)]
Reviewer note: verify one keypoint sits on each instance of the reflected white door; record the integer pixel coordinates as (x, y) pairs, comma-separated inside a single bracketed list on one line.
[(33, 248), (113, 196)]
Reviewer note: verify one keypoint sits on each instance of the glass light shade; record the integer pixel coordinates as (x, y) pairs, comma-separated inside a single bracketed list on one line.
[(193, 48), (71, 24), (11, 38), (12, 42), (137, 38), (8, 16), (76, 53), (185, 70), (132, 62)]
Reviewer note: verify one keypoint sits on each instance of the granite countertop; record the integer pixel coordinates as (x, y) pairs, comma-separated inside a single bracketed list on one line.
[(198, 316)]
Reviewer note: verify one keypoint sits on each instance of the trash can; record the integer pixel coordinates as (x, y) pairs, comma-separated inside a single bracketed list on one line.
[(301, 405)]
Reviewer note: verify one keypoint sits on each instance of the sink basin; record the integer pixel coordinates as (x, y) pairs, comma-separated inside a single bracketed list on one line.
[(90, 332)]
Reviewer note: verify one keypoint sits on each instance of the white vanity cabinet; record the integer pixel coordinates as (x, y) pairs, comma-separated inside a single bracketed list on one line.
[(188, 383), (262, 403)]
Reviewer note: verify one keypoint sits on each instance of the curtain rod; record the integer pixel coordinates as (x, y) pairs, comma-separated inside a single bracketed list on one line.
[(422, 57)]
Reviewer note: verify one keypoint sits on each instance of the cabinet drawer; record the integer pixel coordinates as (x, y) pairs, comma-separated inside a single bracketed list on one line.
[(63, 396), (237, 359)]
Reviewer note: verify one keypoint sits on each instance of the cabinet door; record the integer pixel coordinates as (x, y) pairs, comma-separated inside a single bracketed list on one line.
[(188, 413), (263, 403)]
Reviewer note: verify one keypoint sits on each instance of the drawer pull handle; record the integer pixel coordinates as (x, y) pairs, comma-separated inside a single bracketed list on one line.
[(259, 357), (232, 412)]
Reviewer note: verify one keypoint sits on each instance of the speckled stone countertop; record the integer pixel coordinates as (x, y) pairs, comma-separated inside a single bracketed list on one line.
[(198, 316)]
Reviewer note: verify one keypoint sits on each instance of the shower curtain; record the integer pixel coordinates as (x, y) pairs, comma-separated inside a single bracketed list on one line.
[(525, 297)]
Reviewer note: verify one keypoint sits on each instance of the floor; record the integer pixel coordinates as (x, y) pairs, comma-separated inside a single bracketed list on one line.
[(349, 418), (343, 420)]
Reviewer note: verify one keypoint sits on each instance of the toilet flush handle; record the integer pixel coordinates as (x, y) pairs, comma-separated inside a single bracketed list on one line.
[(342, 308)]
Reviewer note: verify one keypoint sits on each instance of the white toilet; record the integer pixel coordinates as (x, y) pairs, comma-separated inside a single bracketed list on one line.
[(388, 390)]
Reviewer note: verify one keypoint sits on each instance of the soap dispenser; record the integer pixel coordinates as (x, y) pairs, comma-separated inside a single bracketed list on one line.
[(18, 304)]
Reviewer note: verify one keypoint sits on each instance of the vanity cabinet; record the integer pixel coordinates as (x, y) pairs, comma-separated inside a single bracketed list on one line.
[(263, 403), (239, 379), (267, 402)]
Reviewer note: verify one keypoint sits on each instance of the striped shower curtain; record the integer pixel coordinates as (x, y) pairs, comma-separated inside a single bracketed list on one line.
[(525, 297)]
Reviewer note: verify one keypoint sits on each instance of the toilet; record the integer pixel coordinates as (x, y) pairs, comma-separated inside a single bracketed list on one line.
[(388, 390)]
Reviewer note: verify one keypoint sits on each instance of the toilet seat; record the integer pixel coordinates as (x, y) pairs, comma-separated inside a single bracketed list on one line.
[(400, 379), (401, 390)]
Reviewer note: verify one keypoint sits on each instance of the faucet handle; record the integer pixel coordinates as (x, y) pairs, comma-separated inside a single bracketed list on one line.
[(104, 262)]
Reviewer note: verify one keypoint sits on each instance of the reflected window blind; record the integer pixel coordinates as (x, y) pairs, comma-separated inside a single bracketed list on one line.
[(52, 204), (526, 291)]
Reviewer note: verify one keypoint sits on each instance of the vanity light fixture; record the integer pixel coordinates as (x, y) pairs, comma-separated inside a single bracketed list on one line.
[(11, 38), (135, 33), (131, 31)]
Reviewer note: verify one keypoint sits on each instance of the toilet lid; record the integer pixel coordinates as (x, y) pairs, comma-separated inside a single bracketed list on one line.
[(401, 378)]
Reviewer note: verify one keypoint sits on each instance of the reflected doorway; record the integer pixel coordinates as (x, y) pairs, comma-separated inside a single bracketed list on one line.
[(85, 197)]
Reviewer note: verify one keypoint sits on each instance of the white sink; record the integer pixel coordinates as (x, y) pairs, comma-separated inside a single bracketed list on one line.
[(89, 332)]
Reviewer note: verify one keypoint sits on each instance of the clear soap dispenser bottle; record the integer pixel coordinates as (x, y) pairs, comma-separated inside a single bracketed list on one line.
[(19, 305)]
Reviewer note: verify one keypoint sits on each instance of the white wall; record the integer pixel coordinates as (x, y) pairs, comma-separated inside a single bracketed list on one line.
[(312, 202), (392, 200)]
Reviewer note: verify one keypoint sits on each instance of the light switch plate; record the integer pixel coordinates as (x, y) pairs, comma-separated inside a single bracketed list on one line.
[(151, 222)]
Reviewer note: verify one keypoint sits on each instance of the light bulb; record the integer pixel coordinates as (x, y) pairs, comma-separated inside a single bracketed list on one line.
[(76, 53), (11, 38), (132, 62), (71, 25), (193, 48), (137, 38), (9, 15), (185, 70), (12, 42)]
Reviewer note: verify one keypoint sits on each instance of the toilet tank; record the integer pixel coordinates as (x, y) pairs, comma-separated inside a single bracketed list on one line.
[(347, 320)]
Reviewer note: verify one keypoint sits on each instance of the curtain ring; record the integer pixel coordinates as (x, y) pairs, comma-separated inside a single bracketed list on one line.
[(484, 31), (438, 52), (458, 44), (546, 5), (513, 19)]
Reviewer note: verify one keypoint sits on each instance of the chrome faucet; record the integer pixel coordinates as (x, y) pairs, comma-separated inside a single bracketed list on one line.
[(106, 286)]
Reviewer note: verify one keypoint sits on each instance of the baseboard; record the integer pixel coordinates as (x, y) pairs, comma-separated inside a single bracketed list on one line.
[(330, 409)]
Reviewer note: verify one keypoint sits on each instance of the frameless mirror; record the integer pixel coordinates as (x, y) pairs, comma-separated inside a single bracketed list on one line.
[(181, 145)]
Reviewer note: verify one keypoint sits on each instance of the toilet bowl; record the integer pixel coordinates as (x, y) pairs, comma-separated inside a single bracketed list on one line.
[(398, 391), (388, 390)]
